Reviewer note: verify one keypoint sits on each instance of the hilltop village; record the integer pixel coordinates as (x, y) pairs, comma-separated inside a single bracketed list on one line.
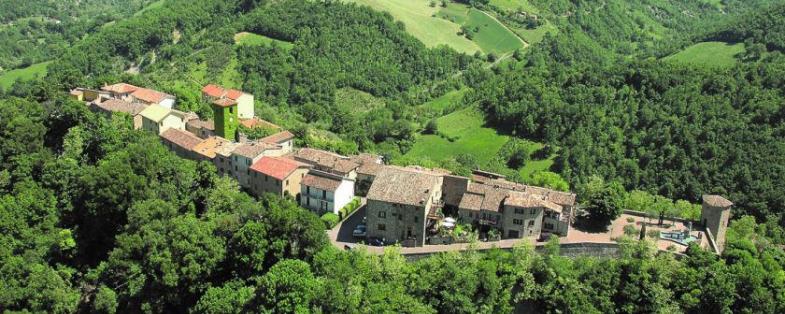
[(404, 205)]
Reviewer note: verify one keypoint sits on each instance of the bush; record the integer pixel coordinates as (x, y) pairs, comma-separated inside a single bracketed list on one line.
[(330, 220), (630, 219), (630, 230), (349, 208), (654, 234), (431, 127)]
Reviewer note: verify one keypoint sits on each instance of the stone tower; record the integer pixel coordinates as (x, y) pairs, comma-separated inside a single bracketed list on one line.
[(225, 117), (715, 214)]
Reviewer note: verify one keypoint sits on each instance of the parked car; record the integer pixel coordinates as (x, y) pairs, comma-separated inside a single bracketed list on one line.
[(359, 231), (375, 242)]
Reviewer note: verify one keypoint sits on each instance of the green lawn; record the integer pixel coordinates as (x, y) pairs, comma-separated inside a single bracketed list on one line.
[(466, 126), (533, 36), (511, 5), (354, 100), (153, 5), (418, 17), (709, 54), (251, 39), (445, 101), (492, 35), (7, 79)]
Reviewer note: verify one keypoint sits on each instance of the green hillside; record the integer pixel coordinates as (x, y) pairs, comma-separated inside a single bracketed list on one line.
[(419, 18), (709, 54), (8, 78)]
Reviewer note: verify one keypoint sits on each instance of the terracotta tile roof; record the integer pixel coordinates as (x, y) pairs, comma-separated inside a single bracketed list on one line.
[(202, 124), (181, 138), (208, 147), (471, 201), (233, 94), (716, 201), (394, 185), (213, 90), (279, 137), (224, 102), (227, 149), (328, 160), (150, 96), (558, 197), (322, 181), (276, 167), (120, 88), (256, 123), (370, 168), (117, 105), (254, 149)]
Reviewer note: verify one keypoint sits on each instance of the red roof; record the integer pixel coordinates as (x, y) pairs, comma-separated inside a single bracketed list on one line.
[(276, 167), (149, 95), (234, 94), (213, 90)]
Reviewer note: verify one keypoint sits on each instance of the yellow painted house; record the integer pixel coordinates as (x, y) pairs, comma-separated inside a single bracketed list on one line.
[(158, 119)]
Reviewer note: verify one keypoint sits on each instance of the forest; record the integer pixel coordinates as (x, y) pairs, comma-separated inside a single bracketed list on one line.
[(97, 217)]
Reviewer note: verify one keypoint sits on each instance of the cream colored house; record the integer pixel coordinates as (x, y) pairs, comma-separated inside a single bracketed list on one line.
[(158, 119)]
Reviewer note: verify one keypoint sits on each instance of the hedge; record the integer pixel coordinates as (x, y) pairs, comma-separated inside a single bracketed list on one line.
[(330, 220), (349, 208)]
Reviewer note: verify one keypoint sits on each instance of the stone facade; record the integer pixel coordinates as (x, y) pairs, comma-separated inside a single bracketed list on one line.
[(715, 213)]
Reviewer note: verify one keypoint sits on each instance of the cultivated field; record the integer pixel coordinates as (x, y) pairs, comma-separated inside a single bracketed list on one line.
[(251, 39), (418, 17), (709, 54), (492, 36), (470, 137), (7, 79)]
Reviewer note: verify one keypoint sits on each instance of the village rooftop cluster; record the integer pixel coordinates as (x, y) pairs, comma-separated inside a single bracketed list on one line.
[(404, 204)]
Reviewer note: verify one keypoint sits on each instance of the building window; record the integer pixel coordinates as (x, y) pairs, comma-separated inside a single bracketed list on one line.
[(517, 221), (247, 162), (519, 211), (278, 182), (265, 178), (248, 172), (382, 214), (531, 223), (324, 194), (235, 168), (381, 227), (308, 189), (416, 219), (532, 211), (287, 182)]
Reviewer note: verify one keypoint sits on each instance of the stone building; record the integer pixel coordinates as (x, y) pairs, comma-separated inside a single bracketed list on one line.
[(277, 175), (180, 142), (715, 213), (107, 107), (402, 203), (323, 192)]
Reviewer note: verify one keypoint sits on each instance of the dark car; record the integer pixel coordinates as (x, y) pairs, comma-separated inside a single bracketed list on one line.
[(359, 231), (375, 242)]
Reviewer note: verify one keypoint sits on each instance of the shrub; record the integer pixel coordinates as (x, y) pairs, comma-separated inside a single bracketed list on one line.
[(431, 127), (630, 230), (349, 208), (654, 234), (330, 220), (630, 219)]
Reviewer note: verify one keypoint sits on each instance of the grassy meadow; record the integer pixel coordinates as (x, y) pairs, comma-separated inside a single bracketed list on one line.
[(418, 17), (251, 39), (492, 36), (8, 78), (713, 54)]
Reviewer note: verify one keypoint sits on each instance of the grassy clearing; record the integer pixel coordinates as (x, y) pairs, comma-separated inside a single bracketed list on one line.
[(466, 127), (445, 101), (712, 54), (251, 39), (489, 33), (151, 6), (511, 5), (533, 36), (417, 16), (37, 70), (533, 165), (354, 100)]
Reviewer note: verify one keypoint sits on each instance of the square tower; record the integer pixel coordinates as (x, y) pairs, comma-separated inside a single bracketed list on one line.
[(715, 213), (226, 119)]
